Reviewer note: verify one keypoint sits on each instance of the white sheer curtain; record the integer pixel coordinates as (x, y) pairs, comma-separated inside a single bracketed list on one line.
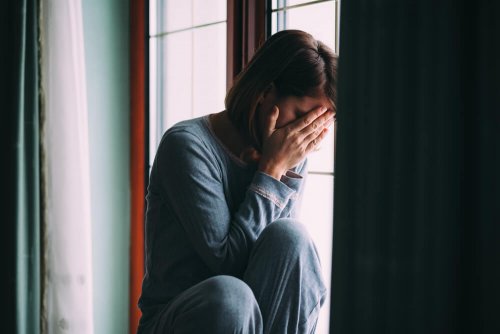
[(67, 300)]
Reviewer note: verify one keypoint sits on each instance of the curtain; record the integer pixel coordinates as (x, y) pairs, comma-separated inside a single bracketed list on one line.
[(67, 279), (417, 190), (20, 174)]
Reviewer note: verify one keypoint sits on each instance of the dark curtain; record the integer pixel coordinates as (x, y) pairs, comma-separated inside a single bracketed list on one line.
[(417, 189), (20, 219)]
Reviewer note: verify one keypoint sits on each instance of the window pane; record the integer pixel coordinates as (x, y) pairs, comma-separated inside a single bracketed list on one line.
[(154, 127), (322, 160), (174, 15), (317, 215), (209, 69), (188, 67), (153, 20), (278, 21), (317, 19), (176, 78), (281, 3), (209, 11), (322, 26)]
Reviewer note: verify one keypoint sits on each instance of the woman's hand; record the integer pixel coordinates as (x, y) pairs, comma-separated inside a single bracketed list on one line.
[(285, 147)]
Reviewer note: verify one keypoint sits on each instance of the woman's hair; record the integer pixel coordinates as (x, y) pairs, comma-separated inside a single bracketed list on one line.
[(295, 63)]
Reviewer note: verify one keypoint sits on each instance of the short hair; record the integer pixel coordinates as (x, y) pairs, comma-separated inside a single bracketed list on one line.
[(296, 63)]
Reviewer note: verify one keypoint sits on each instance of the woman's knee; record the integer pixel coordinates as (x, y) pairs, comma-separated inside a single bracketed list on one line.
[(230, 299), (228, 291), (221, 304), (288, 231)]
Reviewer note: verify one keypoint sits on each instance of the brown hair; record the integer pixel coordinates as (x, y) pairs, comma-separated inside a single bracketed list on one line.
[(295, 62)]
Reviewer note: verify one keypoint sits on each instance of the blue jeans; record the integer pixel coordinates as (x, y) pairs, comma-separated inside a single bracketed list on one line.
[(282, 291)]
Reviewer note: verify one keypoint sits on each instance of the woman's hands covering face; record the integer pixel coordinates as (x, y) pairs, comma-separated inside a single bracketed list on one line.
[(285, 147)]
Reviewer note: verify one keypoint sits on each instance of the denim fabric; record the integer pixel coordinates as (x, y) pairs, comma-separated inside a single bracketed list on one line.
[(208, 217)]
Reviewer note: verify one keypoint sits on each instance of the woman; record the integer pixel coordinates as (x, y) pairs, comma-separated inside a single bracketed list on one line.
[(224, 253)]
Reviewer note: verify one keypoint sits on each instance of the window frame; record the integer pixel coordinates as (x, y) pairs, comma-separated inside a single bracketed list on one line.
[(246, 31)]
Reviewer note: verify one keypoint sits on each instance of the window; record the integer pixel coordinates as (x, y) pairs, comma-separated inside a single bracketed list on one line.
[(187, 62)]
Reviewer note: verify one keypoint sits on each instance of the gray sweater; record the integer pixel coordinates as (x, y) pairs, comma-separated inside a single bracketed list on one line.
[(205, 209)]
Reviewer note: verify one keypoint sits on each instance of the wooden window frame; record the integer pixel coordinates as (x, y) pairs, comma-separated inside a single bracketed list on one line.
[(247, 28), (139, 159)]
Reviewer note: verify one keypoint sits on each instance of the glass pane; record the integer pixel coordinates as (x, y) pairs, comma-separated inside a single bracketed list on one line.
[(175, 102), (317, 215), (209, 11), (209, 69), (188, 77), (153, 24), (174, 15), (317, 19), (299, 2), (322, 159), (278, 22), (282, 3), (277, 4), (154, 129)]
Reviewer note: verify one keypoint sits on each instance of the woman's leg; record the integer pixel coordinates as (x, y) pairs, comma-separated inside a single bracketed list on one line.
[(221, 304), (284, 273)]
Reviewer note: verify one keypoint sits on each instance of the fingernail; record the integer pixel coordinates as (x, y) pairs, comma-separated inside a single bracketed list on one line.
[(323, 109)]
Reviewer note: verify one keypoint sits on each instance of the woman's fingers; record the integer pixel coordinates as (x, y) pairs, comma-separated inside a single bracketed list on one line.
[(323, 121), (283, 148), (314, 139), (314, 133), (313, 121), (306, 120)]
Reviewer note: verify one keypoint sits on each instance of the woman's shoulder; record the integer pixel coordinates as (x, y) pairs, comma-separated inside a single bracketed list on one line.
[(183, 152), (194, 126), (186, 138), (187, 132)]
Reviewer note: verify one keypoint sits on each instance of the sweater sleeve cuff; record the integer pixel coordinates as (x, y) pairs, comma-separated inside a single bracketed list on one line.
[(292, 180), (268, 187)]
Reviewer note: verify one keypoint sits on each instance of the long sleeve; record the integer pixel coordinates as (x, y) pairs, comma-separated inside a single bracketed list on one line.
[(191, 182), (296, 179)]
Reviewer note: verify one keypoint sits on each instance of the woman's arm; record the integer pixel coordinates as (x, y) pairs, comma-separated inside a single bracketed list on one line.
[(191, 183), (296, 179)]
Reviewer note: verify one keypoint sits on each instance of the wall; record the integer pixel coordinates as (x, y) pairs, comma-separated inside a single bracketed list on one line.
[(106, 29)]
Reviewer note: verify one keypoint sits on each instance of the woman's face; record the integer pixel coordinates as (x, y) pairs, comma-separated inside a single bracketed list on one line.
[(290, 108)]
